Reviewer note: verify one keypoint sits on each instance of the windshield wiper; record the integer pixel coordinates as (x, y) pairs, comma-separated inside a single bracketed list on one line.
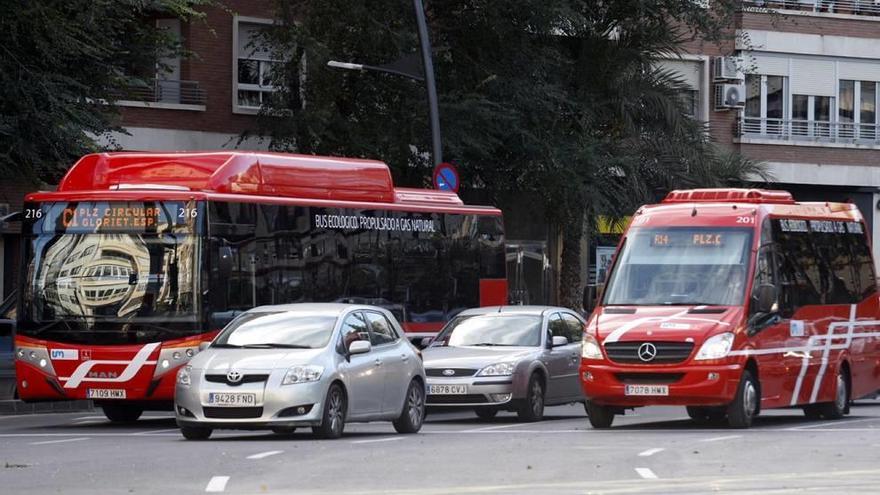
[(275, 345), (226, 346), (492, 344)]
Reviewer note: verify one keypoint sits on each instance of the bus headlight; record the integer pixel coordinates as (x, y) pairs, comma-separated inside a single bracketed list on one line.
[(590, 348), (716, 347), (183, 376)]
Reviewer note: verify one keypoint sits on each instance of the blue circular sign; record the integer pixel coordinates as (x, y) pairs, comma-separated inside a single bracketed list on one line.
[(446, 177)]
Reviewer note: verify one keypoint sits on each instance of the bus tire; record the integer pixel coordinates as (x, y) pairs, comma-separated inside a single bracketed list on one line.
[(600, 416), (121, 413), (836, 409), (704, 414), (195, 432), (744, 407)]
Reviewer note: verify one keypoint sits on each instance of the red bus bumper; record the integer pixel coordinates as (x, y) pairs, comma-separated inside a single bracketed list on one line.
[(691, 385), (33, 385)]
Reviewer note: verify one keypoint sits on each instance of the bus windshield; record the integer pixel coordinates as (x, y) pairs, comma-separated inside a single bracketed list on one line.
[(110, 272), (681, 266)]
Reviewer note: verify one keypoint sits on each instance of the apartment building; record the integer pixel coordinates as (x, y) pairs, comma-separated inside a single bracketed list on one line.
[(797, 86)]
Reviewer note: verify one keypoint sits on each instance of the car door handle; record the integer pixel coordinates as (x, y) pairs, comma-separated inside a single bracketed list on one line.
[(404, 358), (378, 362)]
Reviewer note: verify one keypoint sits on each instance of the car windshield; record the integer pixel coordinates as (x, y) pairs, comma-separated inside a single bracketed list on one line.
[(282, 329), (492, 330), (681, 266)]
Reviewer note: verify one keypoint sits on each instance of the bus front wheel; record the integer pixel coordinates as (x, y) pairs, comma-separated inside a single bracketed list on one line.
[(744, 407), (600, 416), (120, 413)]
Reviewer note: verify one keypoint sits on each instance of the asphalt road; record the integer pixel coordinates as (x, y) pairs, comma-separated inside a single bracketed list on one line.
[(656, 450)]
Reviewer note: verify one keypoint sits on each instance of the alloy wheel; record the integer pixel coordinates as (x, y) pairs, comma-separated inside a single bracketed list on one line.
[(415, 403)]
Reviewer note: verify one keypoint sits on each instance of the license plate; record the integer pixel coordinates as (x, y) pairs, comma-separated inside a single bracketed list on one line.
[(646, 390), (105, 393), (447, 390), (229, 399)]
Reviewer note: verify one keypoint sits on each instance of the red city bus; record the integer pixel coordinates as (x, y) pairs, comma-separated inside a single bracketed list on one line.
[(730, 301), (138, 258)]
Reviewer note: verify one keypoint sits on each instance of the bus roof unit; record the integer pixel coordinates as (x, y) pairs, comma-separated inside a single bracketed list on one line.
[(729, 195), (250, 173)]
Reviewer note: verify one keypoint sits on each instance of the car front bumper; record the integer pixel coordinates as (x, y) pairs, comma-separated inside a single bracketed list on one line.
[(480, 391)]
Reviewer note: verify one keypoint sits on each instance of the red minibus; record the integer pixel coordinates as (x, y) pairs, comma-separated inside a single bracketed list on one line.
[(731, 301), (138, 258)]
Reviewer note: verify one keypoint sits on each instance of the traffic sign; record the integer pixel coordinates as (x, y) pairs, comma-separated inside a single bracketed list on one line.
[(446, 177)]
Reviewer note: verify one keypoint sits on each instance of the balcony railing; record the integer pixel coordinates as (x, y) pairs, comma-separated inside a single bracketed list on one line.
[(166, 91), (857, 7), (809, 131)]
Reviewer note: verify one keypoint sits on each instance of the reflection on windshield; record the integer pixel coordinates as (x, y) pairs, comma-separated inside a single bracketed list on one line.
[(681, 266), (492, 330), (280, 329)]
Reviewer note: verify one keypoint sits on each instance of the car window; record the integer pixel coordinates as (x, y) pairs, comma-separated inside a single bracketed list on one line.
[(558, 327), (354, 328), (575, 327), (381, 331)]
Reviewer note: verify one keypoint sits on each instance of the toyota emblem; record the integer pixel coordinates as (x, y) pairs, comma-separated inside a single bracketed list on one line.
[(647, 352), (233, 377), (448, 372)]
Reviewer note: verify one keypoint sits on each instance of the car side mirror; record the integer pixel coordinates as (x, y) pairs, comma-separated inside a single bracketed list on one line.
[(203, 346), (560, 340), (359, 347), (590, 295), (426, 341), (764, 299)]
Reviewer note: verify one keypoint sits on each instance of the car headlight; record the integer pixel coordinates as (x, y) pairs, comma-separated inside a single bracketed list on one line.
[(590, 348), (302, 374), (183, 376), (497, 369), (716, 347)]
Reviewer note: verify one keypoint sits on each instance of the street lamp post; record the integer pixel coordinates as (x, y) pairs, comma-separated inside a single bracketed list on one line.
[(427, 76)]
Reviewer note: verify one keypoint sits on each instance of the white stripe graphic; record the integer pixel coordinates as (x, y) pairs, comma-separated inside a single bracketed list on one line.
[(827, 351), (140, 359)]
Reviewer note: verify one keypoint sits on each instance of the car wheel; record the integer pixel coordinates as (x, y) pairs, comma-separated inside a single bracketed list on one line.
[(119, 413), (486, 412), (284, 430), (195, 432), (837, 408), (532, 407), (600, 416), (744, 407), (413, 414), (333, 417)]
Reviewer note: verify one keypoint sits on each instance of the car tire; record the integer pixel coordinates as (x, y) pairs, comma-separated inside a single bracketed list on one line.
[(413, 414), (486, 412), (744, 407), (837, 409), (284, 430), (600, 416), (120, 413), (195, 432), (333, 416), (531, 408)]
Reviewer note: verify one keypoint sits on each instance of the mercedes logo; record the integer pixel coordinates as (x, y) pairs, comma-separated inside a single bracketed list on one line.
[(448, 372), (647, 352), (233, 377)]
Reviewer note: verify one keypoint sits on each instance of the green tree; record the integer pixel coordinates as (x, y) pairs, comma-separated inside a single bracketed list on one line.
[(63, 65), (560, 99)]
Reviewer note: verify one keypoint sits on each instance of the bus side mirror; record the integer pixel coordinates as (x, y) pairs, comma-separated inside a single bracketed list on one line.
[(589, 302), (764, 299), (224, 261)]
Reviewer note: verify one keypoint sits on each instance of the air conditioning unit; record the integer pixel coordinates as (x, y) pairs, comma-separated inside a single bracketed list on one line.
[(726, 68), (730, 96)]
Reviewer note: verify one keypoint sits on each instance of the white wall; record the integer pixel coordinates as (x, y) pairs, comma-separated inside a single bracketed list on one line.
[(152, 139)]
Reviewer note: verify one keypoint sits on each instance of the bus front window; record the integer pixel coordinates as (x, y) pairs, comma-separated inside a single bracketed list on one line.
[(111, 272), (681, 266)]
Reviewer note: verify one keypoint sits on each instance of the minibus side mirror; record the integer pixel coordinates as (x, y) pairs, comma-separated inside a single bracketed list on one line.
[(764, 300), (590, 294)]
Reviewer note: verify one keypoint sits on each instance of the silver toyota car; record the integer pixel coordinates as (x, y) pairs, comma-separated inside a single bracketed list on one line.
[(317, 365), (516, 358)]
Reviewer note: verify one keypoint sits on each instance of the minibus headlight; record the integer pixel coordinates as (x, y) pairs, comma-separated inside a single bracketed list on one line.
[(590, 348), (302, 374), (183, 376), (716, 347)]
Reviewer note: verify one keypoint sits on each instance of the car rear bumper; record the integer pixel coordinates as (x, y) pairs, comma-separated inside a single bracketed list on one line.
[(692, 385)]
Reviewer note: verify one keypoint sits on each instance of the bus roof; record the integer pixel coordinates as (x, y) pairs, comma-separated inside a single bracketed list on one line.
[(243, 173)]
